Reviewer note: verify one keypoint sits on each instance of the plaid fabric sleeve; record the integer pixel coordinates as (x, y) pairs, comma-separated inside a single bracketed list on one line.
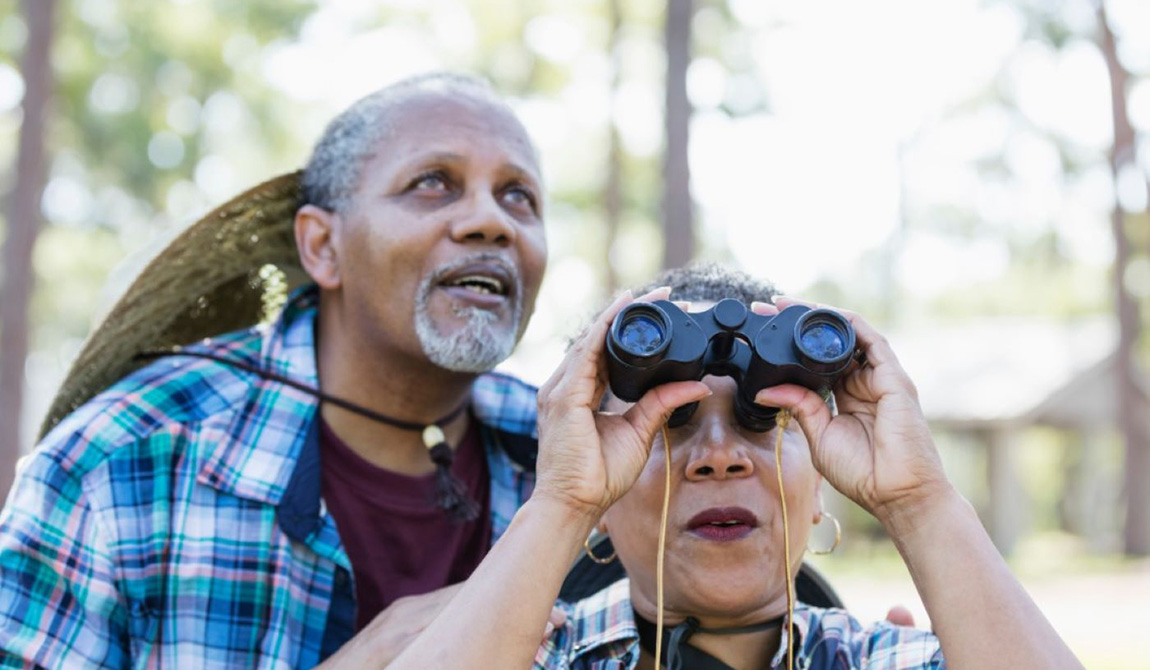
[(58, 601)]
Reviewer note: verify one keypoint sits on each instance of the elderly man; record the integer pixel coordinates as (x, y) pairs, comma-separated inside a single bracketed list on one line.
[(181, 516)]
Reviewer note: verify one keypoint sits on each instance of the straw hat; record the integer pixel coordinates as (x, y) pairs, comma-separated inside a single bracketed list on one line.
[(229, 270)]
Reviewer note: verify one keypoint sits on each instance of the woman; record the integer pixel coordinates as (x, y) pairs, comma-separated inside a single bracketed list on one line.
[(724, 588)]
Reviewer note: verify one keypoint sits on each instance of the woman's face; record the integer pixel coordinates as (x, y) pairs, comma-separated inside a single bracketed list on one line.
[(724, 553)]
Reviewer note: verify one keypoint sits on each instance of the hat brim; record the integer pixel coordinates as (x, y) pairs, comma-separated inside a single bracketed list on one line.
[(223, 273)]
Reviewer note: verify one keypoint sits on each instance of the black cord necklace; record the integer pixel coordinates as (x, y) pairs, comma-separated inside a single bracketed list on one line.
[(680, 654), (451, 493)]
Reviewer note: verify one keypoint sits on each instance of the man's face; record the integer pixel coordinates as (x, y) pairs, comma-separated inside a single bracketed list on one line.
[(443, 247), (724, 546)]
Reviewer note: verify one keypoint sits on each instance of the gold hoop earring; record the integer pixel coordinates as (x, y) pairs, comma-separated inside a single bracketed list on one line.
[(591, 554), (838, 535)]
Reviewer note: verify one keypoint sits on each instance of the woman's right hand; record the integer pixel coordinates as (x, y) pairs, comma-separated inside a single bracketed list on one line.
[(587, 458)]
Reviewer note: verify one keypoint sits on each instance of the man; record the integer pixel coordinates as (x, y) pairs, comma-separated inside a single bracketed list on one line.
[(181, 517)]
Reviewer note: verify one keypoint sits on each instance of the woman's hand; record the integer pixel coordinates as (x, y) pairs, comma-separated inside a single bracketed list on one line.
[(587, 458), (878, 451)]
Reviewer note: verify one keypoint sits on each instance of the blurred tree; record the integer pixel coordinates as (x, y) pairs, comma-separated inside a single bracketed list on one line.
[(1044, 276), (1131, 401), (158, 110), (22, 228), (613, 183), (678, 214)]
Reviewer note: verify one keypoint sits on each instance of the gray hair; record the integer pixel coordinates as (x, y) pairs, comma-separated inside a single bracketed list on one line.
[(332, 174), (703, 282), (712, 282)]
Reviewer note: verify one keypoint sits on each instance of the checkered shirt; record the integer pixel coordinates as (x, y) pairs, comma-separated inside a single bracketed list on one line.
[(600, 634), (175, 520)]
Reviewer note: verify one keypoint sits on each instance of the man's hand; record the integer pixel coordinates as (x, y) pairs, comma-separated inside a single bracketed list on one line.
[(393, 629), (900, 616)]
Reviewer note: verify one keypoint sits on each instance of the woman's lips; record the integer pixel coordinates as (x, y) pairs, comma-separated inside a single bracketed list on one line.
[(723, 524), (722, 533)]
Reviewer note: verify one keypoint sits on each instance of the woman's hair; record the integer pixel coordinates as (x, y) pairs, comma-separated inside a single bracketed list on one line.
[(712, 282)]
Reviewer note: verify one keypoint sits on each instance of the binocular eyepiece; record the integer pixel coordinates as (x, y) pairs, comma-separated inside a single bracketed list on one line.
[(655, 343)]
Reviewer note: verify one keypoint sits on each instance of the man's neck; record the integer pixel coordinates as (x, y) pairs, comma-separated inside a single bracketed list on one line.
[(398, 386)]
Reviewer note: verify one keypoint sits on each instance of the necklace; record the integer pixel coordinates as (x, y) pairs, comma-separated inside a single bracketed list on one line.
[(451, 494), (680, 654)]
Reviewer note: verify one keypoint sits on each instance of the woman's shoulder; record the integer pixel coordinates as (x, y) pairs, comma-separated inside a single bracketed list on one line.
[(833, 637)]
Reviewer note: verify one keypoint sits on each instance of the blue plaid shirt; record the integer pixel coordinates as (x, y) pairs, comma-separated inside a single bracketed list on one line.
[(175, 520), (600, 634)]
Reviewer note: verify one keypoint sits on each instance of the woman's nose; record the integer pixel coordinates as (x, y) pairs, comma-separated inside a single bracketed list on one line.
[(720, 457), (483, 221)]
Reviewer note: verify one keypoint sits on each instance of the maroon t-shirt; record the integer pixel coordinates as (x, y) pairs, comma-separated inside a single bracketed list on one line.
[(399, 542)]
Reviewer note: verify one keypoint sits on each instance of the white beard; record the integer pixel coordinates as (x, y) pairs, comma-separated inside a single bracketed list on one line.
[(480, 344)]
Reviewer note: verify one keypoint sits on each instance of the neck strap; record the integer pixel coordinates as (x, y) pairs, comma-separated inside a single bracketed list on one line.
[(680, 654), (451, 494)]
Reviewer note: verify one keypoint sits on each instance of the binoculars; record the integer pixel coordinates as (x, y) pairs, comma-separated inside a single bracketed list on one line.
[(655, 343)]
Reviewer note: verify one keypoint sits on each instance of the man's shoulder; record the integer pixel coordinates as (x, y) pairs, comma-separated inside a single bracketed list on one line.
[(172, 391)]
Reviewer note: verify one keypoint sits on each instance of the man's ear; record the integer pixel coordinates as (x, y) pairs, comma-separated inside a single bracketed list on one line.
[(317, 232)]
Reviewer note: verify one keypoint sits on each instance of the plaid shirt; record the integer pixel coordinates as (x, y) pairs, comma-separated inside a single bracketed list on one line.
[(175, 520), (600, 634)]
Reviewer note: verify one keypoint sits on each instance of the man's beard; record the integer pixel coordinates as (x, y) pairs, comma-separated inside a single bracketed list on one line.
[(480, 343)]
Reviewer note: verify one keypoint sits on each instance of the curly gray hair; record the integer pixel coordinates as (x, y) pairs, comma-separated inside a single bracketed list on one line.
[(712, 282)]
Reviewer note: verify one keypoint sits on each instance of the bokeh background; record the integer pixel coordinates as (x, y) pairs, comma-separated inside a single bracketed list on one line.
[(972, 175)]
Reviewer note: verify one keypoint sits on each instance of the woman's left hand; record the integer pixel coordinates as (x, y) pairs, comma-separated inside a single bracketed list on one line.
[(878, 450), (588, 459)]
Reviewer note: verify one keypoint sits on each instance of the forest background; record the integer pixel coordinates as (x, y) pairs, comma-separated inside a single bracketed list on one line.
[(972, 175)]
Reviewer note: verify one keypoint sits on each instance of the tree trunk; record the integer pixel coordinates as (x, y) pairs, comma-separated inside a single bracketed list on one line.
[(23, 225), (613, 189), (1136, 533), (677, 214)]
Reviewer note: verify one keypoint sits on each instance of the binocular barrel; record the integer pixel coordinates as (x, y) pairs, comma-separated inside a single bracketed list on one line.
[(655, 343)]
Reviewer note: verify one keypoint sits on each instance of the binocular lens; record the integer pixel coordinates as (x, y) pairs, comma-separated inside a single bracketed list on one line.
[(823, 341), (641, 335)]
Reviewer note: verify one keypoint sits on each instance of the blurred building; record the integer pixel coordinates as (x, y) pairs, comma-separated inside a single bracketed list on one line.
[(986, 383)]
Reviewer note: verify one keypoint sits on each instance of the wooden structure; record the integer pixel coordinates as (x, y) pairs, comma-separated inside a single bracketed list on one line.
[(987, 381)]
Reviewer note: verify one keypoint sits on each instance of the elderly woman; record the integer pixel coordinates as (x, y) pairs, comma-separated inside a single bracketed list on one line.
[(602, 463)]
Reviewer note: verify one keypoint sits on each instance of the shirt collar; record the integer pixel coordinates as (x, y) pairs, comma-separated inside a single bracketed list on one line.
[(259, 449), (602, 619), (607, 617), (799, 626), (271, 448)]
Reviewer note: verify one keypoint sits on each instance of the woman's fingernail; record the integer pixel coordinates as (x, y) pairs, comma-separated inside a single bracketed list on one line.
[(550, 628)]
